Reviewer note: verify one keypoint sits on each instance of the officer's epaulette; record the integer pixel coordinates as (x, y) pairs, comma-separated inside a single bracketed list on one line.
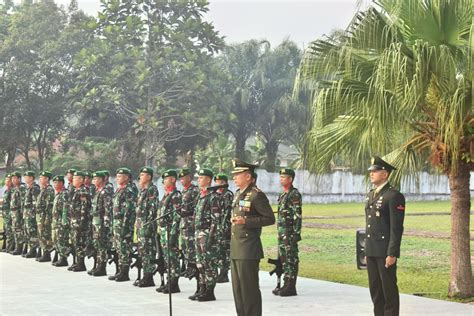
[(256, 189)]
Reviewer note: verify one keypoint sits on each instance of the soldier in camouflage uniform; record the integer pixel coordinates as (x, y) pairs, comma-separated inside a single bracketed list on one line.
[(60, 221), (7, 218), (101, 205), (289, 231), (89, 184), (16, 211), (70, 186), (168, 229), (207, 223), (124, 212), (79, 214), (147, 204), (190, 194), (225, 227), (29, 214), (44, 208), (108, 217)]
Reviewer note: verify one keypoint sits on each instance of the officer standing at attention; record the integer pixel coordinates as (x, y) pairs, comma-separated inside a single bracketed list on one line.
[(385, 212), (250, 212)]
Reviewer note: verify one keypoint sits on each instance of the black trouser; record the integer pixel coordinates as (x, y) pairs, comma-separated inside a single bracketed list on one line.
[(247, 296), (383, 287)]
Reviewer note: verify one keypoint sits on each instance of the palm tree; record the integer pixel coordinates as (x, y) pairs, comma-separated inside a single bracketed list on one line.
[(399, 81)]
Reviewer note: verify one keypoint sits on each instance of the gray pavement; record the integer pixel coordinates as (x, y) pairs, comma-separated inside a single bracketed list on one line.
[(28, 287)]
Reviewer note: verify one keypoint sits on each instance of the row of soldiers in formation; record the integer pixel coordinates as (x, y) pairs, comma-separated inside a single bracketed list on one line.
[(90, 214)]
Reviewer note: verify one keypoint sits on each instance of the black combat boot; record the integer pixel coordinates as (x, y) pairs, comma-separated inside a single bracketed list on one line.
[(202, 290), (25, 250), (123, 275), (38, 253), (174, 287), (18, 250), (55, 258), (113, 277), (100, 270), (223, 276), (62, 262), (147, 280), (289, 290), (32, 253), (161, 287), (208, 295), (80, 265), (46, 257), (197, 293)]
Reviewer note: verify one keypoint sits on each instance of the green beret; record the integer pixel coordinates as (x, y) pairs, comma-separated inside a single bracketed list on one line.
[(206, 172), (8, 175), (88, 173), (46, 173), (99, 174), (184, 172), (30, 173), (124, 170), (221, 176), (169, 173), (106, 172), (15, 174), (287, 172), (72, 170), (58, 177), (147, 170), (79, 173)]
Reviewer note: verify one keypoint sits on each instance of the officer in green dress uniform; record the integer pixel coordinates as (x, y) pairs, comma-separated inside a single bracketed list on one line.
[(250, 212), (385, 212)]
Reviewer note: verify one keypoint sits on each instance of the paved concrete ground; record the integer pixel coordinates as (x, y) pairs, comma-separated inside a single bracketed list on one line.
[(29, 287)]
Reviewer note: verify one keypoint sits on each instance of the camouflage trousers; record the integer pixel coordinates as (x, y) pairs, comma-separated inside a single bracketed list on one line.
[(224, 251), (8, 228), (30, 228), (206, 253), (288, 252), (44, 232), (123, 247), (172, 252), (187, 239), (79, 240), (60, 239), (146, 251), (100, 239), (18, 227)]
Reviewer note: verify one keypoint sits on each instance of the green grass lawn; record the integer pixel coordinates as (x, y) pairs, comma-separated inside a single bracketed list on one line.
[(329, 254)]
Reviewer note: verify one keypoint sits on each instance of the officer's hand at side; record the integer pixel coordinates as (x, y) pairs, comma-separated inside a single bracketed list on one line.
[(390, 261), (238, 220)]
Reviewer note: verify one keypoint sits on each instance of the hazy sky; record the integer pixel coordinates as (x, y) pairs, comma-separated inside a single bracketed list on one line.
[(238, 20)]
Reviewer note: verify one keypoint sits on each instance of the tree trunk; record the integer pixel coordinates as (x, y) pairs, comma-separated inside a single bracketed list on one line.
[(461, 280), (240, 147), (11, 158), (271, 150)]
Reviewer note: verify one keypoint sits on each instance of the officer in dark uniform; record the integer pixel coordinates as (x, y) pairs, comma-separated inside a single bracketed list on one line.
[(250, 211), (385, 212)]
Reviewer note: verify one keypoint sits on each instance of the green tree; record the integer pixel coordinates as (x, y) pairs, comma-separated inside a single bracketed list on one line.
[(148, 74), (242, 93), (276, 75), (400, 82), (36, 60)]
